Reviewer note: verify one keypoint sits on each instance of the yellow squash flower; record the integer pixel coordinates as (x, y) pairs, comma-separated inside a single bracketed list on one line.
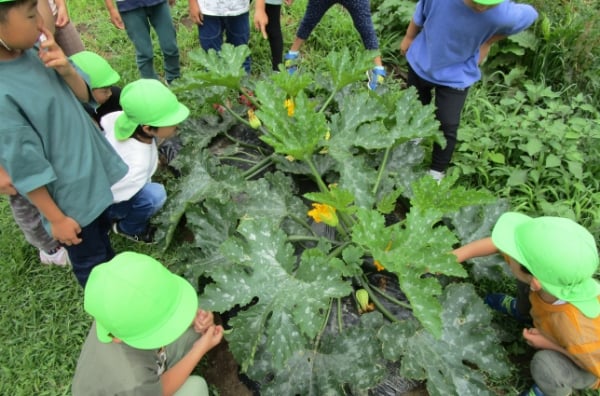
[(324, 213), (290, 106)]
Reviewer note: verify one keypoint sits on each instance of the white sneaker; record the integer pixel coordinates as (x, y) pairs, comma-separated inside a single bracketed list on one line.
[(437, 175), (60, 257)]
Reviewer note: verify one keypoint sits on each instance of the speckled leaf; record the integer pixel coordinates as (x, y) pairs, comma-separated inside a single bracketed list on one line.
[(291, 305), (223, 68), (352, 358), (346, 68), (452, 364)]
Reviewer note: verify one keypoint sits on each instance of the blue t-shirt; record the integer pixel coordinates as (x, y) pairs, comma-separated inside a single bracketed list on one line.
[(446, 50), (47, 139)]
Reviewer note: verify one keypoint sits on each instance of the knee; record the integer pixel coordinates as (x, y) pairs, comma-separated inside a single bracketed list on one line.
[(153, 195), (546, 369)]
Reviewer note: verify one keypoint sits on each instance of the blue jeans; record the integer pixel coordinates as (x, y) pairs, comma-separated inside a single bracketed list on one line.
[(133, 214), (236, 29), (137, 24), (94, 248)]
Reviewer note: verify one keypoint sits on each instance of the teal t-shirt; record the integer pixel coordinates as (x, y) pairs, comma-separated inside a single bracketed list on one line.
[(47, 139)]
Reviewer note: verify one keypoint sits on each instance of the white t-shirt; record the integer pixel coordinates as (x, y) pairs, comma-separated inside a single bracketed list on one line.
[(141, 158), (223, 7)]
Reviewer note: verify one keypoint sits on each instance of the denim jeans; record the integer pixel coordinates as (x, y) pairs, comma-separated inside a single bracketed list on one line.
[(448, 106), (133, 214), (94, 248), (236, 29), (137, 24)]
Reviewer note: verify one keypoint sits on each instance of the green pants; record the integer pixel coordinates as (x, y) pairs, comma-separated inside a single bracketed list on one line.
[(557, 375)]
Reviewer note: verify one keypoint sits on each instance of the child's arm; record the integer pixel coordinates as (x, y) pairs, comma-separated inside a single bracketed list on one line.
[(485, 47), (173, 378), (115, 16), (195, 12), (53, 56), (540, 341), (6, 186), (62, 15), (411, 33), (46, 12), (64, 229), (479, 248), (261, 20)]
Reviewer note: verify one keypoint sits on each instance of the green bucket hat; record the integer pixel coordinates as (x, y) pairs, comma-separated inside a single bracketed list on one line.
[(97, 68), (136, 299), (488, 2), (560, 253), (148, 102)]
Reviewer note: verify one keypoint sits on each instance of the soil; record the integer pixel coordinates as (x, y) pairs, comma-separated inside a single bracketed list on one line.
[(221, 372)]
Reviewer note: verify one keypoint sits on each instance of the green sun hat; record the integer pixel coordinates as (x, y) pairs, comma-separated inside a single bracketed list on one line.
[(135, 298), (148, 102), (488, 2), (560, 253), (97, 68)]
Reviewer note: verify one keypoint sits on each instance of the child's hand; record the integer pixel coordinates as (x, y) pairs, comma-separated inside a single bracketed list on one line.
[(53, 56), (66, 231), (288, 2), (536, 339), (195, 12), (6, 186), (115, 18), (62, 15), (203, 321), (261, 20), (211, 337), (405, 44)]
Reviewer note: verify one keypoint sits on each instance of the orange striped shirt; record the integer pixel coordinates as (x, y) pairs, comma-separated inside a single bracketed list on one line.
[(568, 327)]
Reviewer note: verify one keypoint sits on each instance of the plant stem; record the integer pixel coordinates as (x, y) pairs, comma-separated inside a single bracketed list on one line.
[(315, 173), (390, 298), (229, 158), (242, 143), (339, 315), (237, 117), (318, 340), (364, 282), (302, 222), (248, 173), (329, 99), (381, 170)]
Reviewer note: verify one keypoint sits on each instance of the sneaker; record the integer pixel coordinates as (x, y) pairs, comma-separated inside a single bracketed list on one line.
[(376, 77), (291, 62), (60, 257), (533, 391), (437, 175), (146, 237), (505, 304)]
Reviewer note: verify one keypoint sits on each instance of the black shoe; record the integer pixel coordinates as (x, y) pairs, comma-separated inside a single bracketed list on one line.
[(145, 237)]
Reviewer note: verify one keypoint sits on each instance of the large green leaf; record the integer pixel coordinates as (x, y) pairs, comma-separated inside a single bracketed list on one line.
[(346, 68), (453, 363), (224, 68), (351, 359), (292, 301), (297, 134)]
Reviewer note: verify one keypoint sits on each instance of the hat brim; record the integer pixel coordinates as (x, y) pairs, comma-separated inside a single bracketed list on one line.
[(503, 235), (111, 79), (488, 2), (173, 118), (185, 308)]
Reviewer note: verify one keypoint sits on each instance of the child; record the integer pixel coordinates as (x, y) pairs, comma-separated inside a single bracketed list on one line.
[(102, 82), (136, 16), (557, 258), (444, 44), (267, 19), (49, 147), (214, 17), (360, 11), (148, 334), (150, 111)]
